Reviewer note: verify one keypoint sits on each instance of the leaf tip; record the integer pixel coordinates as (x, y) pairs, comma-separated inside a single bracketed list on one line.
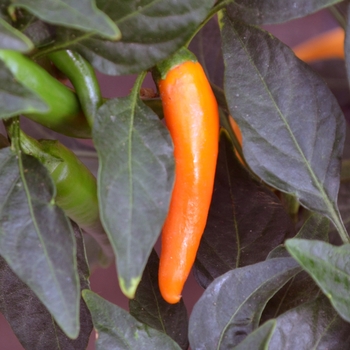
[(117, 34), (87, 295), (290, 242), (129, 289)]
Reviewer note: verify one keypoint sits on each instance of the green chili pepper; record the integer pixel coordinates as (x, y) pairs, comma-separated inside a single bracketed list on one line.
[(83, 77), (76, 187), (65, 114)]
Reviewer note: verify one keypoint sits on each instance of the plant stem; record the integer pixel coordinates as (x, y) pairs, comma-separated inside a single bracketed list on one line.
[(13, 131), (138, 83), (339, 225)]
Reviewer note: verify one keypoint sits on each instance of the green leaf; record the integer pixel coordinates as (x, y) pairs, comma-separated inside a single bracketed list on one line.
[(329, 266), (301, 288), (231, 238), (275, 11), (135, 182), (40, 33), (311, 326), (12, 39), (15, 98), (28, 324), (36, 238), (315, 227), (258, 339), (151, 31), (117, 329), (293, 131), (150, 308), (231, 306), (82, 15)]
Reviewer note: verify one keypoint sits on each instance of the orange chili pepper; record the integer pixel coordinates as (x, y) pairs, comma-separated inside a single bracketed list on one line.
[(238, 133), (324, 46), (191, 115), (236, 129)]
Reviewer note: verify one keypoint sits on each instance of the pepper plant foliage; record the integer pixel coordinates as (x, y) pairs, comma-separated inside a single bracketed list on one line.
[(274, 257)]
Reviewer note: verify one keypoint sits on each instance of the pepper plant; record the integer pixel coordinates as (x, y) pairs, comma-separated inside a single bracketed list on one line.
[(274, 256)]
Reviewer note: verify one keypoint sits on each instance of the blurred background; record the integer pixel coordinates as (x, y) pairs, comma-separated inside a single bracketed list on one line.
[(104, 281)]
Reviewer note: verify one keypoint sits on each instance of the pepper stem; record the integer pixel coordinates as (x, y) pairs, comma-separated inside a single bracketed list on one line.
[(13, 131), (161, 70)]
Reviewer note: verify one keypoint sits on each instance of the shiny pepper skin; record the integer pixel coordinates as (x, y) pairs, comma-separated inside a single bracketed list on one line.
[(64, 114), (191, 115)]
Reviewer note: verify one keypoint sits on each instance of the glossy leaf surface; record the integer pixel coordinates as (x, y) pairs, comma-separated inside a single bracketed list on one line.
[(135, 182), (12, 39), (151, 31), (258, 339), (275, 11), (117, 329), (82, 14), (293, 133), (329, 266), (150, 308), (313, 325), (301, 288), (231, 238), (231, 306), (34, 326), (36, 238)]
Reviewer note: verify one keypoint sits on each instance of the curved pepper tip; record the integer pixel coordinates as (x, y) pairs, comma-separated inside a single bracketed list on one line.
[(171, 298)]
